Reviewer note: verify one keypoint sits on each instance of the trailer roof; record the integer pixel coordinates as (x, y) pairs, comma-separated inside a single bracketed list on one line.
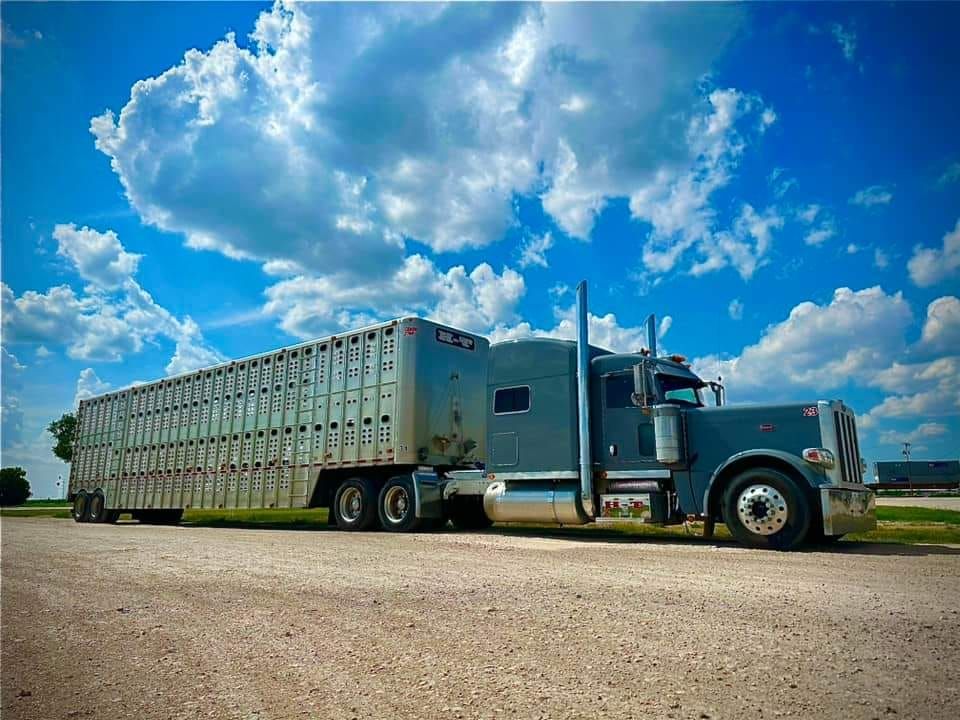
[(251, 356)]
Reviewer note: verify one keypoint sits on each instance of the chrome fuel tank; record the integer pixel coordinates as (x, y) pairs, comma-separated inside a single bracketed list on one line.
[(534, 502)]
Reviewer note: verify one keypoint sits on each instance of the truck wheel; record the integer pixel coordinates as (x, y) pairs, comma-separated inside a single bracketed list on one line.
[(765, 508), (79, 509), (466, 513), (397, 507), (355, 504), (96, 512)]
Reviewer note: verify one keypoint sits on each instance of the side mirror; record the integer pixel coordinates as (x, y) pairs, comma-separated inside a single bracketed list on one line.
[(641, 389), (718, 393)]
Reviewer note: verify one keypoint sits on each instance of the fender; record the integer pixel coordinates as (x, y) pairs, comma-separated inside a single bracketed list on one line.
[(809, 473)]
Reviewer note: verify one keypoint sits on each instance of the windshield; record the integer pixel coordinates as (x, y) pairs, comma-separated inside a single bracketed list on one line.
[(679, 390)]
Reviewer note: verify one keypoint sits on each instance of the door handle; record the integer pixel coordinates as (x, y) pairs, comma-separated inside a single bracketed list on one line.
[(613, 450)]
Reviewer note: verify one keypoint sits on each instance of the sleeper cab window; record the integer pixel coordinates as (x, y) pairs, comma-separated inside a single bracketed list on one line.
[(619, 390), (511, 400)]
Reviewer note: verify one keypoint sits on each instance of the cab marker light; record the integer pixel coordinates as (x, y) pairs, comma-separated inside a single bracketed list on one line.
[(819, 456)]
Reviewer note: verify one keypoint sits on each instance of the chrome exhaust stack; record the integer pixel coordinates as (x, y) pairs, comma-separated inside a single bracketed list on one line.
[(652, 334), (583, 403)]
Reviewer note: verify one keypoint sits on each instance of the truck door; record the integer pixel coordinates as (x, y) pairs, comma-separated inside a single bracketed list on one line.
[(628, 441)]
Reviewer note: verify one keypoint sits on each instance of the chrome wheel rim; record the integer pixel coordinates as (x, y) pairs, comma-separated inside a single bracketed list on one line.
[(396, 503), (762, 509), (351, 504)]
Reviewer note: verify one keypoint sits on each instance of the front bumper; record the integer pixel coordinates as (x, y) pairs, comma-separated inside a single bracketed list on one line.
[(847, 510)]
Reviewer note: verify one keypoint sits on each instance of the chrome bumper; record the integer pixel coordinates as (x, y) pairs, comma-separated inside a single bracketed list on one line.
[(847, 511)]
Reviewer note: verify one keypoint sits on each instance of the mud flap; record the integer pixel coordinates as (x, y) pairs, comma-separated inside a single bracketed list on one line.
[(428, 495)]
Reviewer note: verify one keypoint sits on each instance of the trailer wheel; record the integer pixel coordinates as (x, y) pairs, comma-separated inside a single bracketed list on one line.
[(397, 506), (96, 512), (79, 509), (765, 508), (355, 504), (467, 513)]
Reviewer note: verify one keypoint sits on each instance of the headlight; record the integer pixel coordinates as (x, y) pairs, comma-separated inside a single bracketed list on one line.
[(819, 456)]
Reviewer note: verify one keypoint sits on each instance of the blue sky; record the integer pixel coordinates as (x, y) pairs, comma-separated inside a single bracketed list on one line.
[(779, 183)]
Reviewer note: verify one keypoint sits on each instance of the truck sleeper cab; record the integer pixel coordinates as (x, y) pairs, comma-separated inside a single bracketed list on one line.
[(776, 475)]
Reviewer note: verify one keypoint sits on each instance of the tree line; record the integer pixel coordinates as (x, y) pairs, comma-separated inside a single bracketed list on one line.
[(14, 486)]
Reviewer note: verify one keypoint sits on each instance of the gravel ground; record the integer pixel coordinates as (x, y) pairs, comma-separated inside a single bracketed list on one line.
[(180, 622)]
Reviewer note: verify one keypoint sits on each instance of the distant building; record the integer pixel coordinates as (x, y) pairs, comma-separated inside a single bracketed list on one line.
[(916, 475)]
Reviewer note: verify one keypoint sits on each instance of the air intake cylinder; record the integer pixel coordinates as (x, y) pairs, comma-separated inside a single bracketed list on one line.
[(668, 433)]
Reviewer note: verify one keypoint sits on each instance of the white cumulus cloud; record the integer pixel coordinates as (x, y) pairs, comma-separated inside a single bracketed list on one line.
[(818, 347), (676, 203), (477, 300), (112, 318), (534, 250), (873, 195), (300, 148), (88, 386), (735, 309), (941, 329), (922, 431), (97, 256), (929, 266)]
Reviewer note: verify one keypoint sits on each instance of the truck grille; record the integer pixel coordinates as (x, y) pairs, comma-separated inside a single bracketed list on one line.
[(848, 447)]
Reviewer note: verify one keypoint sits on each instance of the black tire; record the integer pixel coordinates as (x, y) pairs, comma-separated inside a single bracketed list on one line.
[(466, 513), (397, 507), (81, 502), (96, 508), (355, 504), (765, 508)]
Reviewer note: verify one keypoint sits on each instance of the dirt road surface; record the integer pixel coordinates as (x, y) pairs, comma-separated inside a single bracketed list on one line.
[(179, 622)]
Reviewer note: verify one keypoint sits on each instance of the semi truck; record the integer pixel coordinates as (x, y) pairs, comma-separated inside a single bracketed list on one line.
[(409, 424)]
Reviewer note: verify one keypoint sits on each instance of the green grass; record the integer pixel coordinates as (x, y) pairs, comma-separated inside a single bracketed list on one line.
[(315, 518), (904, 525), (909, 534), (60, 511), (43, 504), (917, 515)]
